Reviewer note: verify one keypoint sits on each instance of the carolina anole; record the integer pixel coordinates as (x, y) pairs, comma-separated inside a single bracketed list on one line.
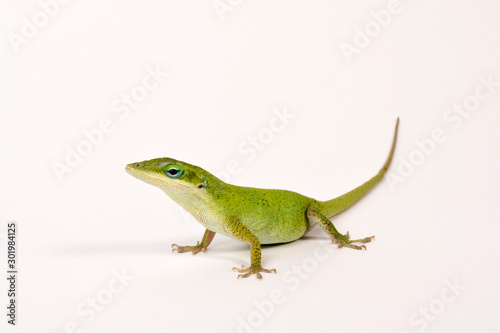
[(252, 215)]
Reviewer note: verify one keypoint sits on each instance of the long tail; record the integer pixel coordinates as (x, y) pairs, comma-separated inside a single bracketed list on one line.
[(335, 206)]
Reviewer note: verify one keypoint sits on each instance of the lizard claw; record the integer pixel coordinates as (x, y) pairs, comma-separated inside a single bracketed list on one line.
[(247, 271), (194, 249), (344, 241)]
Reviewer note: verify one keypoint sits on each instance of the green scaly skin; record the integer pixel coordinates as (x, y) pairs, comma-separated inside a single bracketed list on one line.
[(252, 215)]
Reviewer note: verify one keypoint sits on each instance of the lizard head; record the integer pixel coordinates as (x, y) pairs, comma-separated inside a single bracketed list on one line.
[(172, 176)]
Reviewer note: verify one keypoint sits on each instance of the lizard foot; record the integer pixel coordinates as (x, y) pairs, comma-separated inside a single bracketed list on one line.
[(195, 249), (247, 271), (343, 240)]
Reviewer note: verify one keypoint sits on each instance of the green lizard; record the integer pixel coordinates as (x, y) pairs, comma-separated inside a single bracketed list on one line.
[(252, 215)]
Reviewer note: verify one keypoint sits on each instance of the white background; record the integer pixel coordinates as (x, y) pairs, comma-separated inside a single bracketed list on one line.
[(436, 225)]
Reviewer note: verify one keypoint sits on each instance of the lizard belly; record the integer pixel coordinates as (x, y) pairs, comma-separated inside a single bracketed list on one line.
[(269, 230), (271, 221), (279, 230), (274, 216)]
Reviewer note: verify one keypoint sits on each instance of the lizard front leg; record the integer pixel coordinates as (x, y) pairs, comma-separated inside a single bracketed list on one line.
[(314, 215), (241, 232), (205, 242)]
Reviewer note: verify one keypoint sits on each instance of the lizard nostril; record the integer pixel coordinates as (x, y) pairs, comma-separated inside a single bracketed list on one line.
[(138, 165)]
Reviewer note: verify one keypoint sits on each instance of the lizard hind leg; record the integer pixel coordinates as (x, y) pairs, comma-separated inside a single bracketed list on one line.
[(205, 242), (315, 216)]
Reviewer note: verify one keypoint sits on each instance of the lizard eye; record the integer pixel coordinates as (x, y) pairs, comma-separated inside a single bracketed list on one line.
[(174, 172)]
